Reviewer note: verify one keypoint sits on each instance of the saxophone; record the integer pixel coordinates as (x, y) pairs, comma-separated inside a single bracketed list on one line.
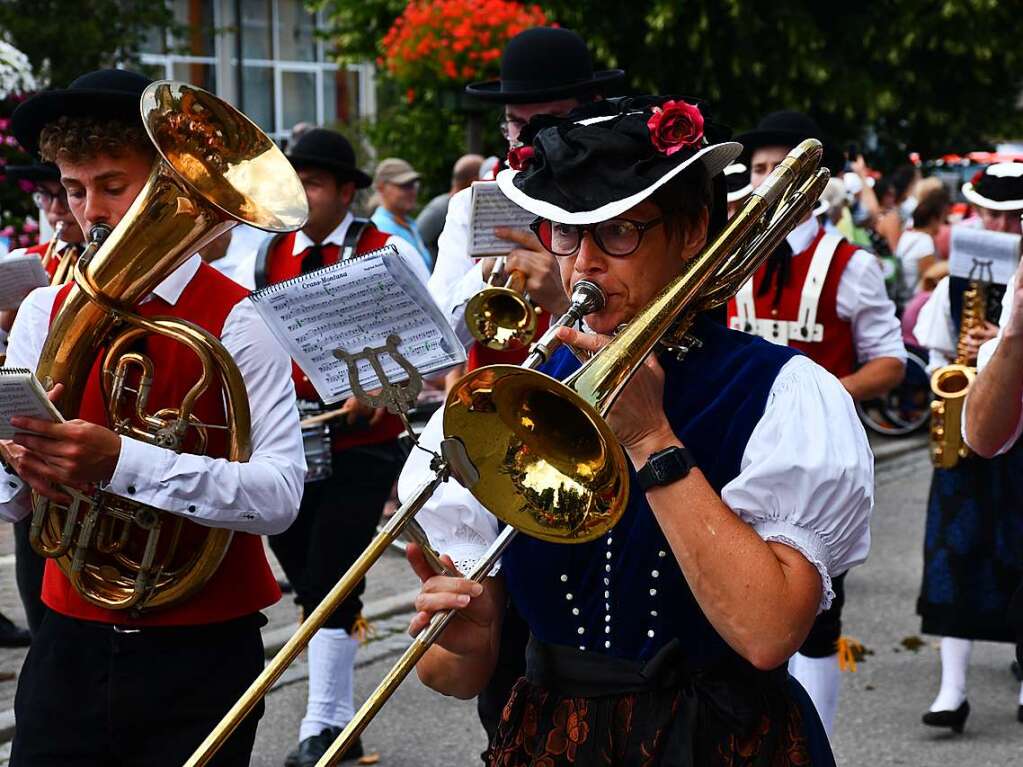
[(951, 384), (214, 169)]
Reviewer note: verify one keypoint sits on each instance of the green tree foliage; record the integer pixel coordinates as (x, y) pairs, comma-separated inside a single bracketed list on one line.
[(66, 38), (922, 75)]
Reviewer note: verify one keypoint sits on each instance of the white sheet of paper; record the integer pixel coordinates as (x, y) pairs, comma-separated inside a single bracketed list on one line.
[(22, 395), (489, 208), (19, 276), (983, 255), (354, 305)]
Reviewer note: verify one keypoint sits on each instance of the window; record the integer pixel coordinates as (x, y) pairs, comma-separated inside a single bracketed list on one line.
[(284, 77)]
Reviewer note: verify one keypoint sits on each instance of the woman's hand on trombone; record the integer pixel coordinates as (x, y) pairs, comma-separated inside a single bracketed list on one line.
[(463, 658)]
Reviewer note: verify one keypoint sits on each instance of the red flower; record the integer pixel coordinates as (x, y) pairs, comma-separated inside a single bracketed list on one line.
[(520, 157), (675, 125), (570, 727), (977, 177)]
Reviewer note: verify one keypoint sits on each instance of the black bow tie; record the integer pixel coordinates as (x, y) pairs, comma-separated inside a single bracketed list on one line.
[(779, 266), (313, 258)]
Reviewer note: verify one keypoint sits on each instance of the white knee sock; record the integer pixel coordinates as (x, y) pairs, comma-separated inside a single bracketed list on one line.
[(331, 667), (821, 679), (955, 659)]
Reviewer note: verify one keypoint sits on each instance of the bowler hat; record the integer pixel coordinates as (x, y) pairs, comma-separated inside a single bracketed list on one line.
[(37, 171), (544, 64), (112, 93), (329, 150), (788, 128)]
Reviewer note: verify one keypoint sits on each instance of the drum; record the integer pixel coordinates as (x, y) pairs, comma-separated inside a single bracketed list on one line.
[(316, 442)]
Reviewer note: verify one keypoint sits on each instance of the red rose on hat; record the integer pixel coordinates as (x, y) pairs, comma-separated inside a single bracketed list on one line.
[(675, 125), (519, 157)]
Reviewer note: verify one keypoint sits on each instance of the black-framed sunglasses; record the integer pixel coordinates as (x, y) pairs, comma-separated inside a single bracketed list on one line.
[(617, 236)]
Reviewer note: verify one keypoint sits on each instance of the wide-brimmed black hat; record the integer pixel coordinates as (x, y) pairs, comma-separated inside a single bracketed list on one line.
[(788, 128), (544, 64), (37, 171), (737, 182), (106, 93), (998, 187), (327, 149), (609, 156)]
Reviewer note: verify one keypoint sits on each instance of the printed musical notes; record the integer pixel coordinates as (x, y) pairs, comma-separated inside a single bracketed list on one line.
[(20, 274), (978, 254), (490, 208), (21, 394), (353, 305)]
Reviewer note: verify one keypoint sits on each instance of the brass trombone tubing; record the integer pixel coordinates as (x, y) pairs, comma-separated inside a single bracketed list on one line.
[(411, 656)]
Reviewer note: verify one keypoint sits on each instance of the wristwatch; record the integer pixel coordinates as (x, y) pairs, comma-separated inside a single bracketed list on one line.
[(666, 466)]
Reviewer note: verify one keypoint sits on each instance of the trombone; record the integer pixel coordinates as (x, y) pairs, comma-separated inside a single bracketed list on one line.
[(504, 415), (587, 298), (567, 483), (501, 317)]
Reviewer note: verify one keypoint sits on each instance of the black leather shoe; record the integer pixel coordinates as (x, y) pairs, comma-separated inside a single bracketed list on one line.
[(11, 635), (312, 748), (954, 720)]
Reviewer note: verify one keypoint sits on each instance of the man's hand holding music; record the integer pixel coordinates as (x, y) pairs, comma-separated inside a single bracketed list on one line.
[(76, 453), (543, 279)]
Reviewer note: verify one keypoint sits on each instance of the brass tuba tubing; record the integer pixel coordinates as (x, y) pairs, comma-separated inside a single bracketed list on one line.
[(585, 300)]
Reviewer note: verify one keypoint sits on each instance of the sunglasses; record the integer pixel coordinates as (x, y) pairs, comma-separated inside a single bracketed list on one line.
[(616, 237)]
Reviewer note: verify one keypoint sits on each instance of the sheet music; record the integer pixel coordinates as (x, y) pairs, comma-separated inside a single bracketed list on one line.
[(489, 208), (19, 276), (352, 305), (21, 394), (980, 251)]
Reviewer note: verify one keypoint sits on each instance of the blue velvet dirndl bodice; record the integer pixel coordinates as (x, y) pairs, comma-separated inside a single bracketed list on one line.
[(624, 594)]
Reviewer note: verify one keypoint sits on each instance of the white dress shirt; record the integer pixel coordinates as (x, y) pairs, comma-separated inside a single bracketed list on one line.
[(935, 330), (456, 277), (806, 480), (260, 496), (862, 299)]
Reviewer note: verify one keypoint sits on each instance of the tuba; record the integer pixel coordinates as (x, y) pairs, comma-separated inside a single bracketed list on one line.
[(214, 169), (951, 383)]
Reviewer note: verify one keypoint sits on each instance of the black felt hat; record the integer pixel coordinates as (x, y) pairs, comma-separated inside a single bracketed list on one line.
[(544, 64), (609, 156), (37, 171), (998, 187), (788, 128), (327, 149), (737, 182), (105, 93)]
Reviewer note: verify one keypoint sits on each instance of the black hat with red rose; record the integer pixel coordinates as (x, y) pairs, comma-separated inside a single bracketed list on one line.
[(609, 156)]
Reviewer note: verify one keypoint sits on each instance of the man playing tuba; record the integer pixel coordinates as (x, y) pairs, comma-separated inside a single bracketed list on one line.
[(130, 686)]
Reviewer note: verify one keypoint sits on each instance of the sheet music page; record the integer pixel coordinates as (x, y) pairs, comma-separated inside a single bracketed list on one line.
[(353, 305), (19, 276), (21, 394), (490, 208), (991, 256)]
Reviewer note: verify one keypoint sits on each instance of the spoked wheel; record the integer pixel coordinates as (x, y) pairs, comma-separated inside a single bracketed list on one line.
[(906, 409)]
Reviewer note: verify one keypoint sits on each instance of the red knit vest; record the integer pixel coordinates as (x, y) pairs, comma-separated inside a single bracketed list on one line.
[(283, 265), (244, 583), (837, 352)]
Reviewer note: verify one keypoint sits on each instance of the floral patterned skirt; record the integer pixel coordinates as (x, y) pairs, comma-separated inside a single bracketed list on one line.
[(695, 722)]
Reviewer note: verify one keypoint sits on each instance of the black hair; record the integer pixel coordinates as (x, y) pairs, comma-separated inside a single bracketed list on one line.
[(683, 199), (932, 207)]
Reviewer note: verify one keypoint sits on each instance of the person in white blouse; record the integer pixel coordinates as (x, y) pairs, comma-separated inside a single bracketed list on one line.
[(90, 665), (971, 570), (826, 297), (720, 563)]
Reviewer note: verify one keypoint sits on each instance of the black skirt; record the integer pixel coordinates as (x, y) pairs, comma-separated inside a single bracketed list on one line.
[(581, 708)]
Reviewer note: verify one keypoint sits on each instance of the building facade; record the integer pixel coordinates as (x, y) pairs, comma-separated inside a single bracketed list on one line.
[(267, 58)]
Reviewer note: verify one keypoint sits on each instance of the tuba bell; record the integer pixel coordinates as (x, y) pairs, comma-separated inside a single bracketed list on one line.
[(214, 169)]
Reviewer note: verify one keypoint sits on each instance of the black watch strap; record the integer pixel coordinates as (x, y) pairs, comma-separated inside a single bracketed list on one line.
[(666, 466)]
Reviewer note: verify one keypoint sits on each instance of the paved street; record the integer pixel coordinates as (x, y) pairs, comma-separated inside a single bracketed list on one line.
[(881, 703)]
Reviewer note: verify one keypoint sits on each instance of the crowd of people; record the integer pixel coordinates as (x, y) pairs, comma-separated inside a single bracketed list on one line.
[(705, 627)]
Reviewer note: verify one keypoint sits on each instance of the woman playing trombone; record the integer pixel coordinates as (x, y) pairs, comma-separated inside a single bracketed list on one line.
[(664, 641)]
